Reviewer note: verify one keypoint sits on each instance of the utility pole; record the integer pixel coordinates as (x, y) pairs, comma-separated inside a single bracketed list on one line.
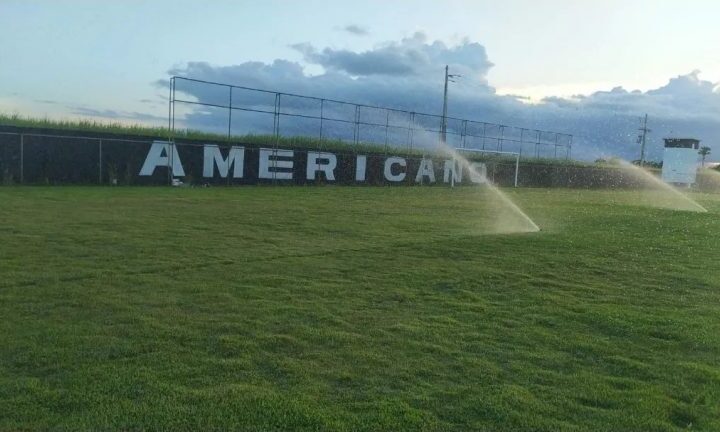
[(443, 129), (642, 138)]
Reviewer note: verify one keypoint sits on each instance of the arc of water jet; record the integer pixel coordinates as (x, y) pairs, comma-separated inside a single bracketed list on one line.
[(513, 206), (713, 176), (532, 226), (649, 177)]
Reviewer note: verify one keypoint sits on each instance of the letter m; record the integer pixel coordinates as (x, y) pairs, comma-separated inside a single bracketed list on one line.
[(212, 156)]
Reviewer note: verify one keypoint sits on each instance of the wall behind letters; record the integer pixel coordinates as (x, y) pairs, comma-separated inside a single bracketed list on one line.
[(53, 156)]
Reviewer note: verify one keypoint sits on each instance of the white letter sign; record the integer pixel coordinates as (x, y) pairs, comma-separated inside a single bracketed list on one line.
[(160, 154), (269, 159), (425, 170), (212, 156), (452, 167), (389, 162), (314, 165), (478, 172), (360, 168)]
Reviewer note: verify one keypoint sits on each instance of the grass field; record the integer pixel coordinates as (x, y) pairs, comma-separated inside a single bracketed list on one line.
[(330, 308)]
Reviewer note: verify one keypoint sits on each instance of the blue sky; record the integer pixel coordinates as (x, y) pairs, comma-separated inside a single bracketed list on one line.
[(68, 59)]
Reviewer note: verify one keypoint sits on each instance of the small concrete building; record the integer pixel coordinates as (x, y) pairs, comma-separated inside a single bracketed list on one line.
[(680, 160)]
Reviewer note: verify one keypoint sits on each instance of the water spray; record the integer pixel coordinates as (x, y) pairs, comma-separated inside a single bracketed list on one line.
[(674, 199), (710, 179), (523, 222)]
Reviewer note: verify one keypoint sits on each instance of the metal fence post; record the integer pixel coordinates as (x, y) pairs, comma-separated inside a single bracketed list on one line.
[(484, 134), (356, 135), (277, 135), (502, 136), (100, 161), (322, 113), (171, 115), (463, 134), (276, 124), (387, 126), (22, 158), (171, 130), (412, 129), (230, 113)]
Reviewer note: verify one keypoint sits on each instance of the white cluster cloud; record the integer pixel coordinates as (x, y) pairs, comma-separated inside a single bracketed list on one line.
[(409, 75)]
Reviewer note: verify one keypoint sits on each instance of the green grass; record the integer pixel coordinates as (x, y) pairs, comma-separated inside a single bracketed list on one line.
[(118, 128), (84, 125), (294, 142), (330, 308)]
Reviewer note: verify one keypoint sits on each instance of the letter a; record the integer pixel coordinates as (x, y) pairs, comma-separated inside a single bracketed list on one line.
[(160, 154)]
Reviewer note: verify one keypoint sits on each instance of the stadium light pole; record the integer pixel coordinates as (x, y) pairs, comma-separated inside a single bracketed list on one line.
[(443, 128), (642, 138)]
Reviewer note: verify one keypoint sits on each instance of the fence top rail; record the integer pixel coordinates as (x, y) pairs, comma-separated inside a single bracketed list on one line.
[(231, 86), (473, 150), (290, 94), (39, 135)]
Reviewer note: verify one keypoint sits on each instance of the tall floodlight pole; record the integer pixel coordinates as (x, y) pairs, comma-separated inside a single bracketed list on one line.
[(642, 139), (443, 128)]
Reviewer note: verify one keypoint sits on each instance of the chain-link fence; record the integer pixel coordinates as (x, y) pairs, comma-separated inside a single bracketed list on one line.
[(37, 158), (237, 111)]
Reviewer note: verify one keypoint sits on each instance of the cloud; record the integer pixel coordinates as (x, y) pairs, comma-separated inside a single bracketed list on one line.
[(608, 120), (46, 101), (685, 96), (116, 115), (356, 30), (408, 74), (412, 56)]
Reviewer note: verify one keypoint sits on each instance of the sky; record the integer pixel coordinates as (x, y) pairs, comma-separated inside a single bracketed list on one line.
[(589, 68)]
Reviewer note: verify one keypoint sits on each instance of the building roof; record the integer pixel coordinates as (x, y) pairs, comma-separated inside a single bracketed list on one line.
[(690, 143)]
